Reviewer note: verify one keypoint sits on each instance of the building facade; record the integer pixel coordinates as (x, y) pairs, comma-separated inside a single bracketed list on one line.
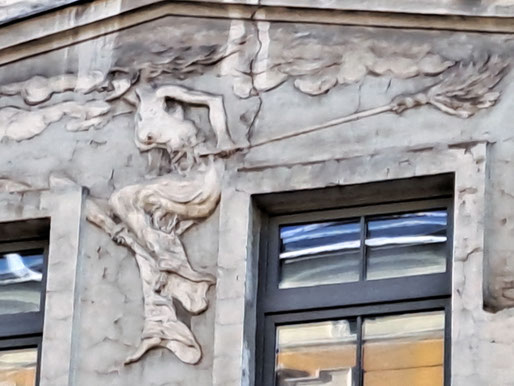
[(268, 192)]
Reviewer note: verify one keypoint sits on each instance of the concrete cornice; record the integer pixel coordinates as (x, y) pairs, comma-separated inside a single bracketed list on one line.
[(488, 8), (14, 10), (86, 20)]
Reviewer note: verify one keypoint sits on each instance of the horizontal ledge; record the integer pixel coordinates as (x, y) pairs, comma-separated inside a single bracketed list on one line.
[(51, 31), (21, 10), (418, 148), (494, 8)]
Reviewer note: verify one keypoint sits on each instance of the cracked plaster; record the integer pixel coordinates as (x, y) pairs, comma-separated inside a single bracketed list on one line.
[(109, 318)]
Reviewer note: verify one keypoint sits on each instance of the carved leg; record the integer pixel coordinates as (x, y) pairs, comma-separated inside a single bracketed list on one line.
[(162, 327), (170, 263), (192, 295), (167, 248), (145, 345)]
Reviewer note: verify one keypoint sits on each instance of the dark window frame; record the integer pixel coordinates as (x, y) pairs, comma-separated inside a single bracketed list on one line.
[(355, 312), (25, 329), (354, 299)]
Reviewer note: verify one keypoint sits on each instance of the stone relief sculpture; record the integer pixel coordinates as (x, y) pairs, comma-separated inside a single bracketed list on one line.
[(91, 100), (462, 91), (91, 105), (220, 48), (150, 217), (315, 62), (319, 61)]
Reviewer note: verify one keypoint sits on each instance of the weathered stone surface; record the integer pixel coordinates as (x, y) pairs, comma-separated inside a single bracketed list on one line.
[(502, 8), (374, 103), (15, 9)]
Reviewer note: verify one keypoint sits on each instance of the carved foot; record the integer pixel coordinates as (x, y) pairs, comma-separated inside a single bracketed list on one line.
[(190, 354), (145, 345)]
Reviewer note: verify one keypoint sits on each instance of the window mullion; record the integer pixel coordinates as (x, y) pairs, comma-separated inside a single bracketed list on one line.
[(359, 375), (363, 260)]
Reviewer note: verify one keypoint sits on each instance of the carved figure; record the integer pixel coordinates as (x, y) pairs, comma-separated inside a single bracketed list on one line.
[(154, 214)]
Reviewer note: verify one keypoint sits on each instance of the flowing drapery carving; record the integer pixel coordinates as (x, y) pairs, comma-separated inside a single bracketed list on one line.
[(152, 216)]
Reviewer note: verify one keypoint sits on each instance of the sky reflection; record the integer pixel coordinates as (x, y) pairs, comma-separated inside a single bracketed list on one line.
[(427, 227)]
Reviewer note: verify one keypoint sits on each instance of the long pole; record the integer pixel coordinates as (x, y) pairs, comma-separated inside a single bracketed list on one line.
[(333, 122), (307, 130)]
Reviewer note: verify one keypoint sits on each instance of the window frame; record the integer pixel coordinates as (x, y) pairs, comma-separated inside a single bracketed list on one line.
[(25, 329), (26, 323), (26, 341), (380, 297), (355, 312)]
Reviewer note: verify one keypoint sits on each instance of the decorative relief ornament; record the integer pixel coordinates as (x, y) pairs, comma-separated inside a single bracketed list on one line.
[(150, 217), (462, 91)]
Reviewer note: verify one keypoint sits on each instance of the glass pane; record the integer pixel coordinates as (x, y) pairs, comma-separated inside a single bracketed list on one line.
[(20, 281), (18, 367), (407, 244), (404, 350), (322, 353), (319, 253)]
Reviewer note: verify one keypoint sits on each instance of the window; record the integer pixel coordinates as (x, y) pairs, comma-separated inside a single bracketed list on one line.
[(360, 294), (23, 252)]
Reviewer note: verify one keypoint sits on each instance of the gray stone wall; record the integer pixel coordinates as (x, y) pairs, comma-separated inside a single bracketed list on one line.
[(426, 102)]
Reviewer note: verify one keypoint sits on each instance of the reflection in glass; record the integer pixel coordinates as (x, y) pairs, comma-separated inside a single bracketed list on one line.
[(18, 367), (404, 350), (21, 275), (407, 244), (319, 253), (322, 353)]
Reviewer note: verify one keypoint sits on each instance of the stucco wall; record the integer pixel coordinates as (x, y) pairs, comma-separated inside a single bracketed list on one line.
[(274, 78)]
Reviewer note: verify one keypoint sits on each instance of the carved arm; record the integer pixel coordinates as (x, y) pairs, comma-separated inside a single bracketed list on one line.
[(217, 115)]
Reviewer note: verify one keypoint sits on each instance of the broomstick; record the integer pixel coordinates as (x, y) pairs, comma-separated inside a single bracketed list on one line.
[(464, 90)]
